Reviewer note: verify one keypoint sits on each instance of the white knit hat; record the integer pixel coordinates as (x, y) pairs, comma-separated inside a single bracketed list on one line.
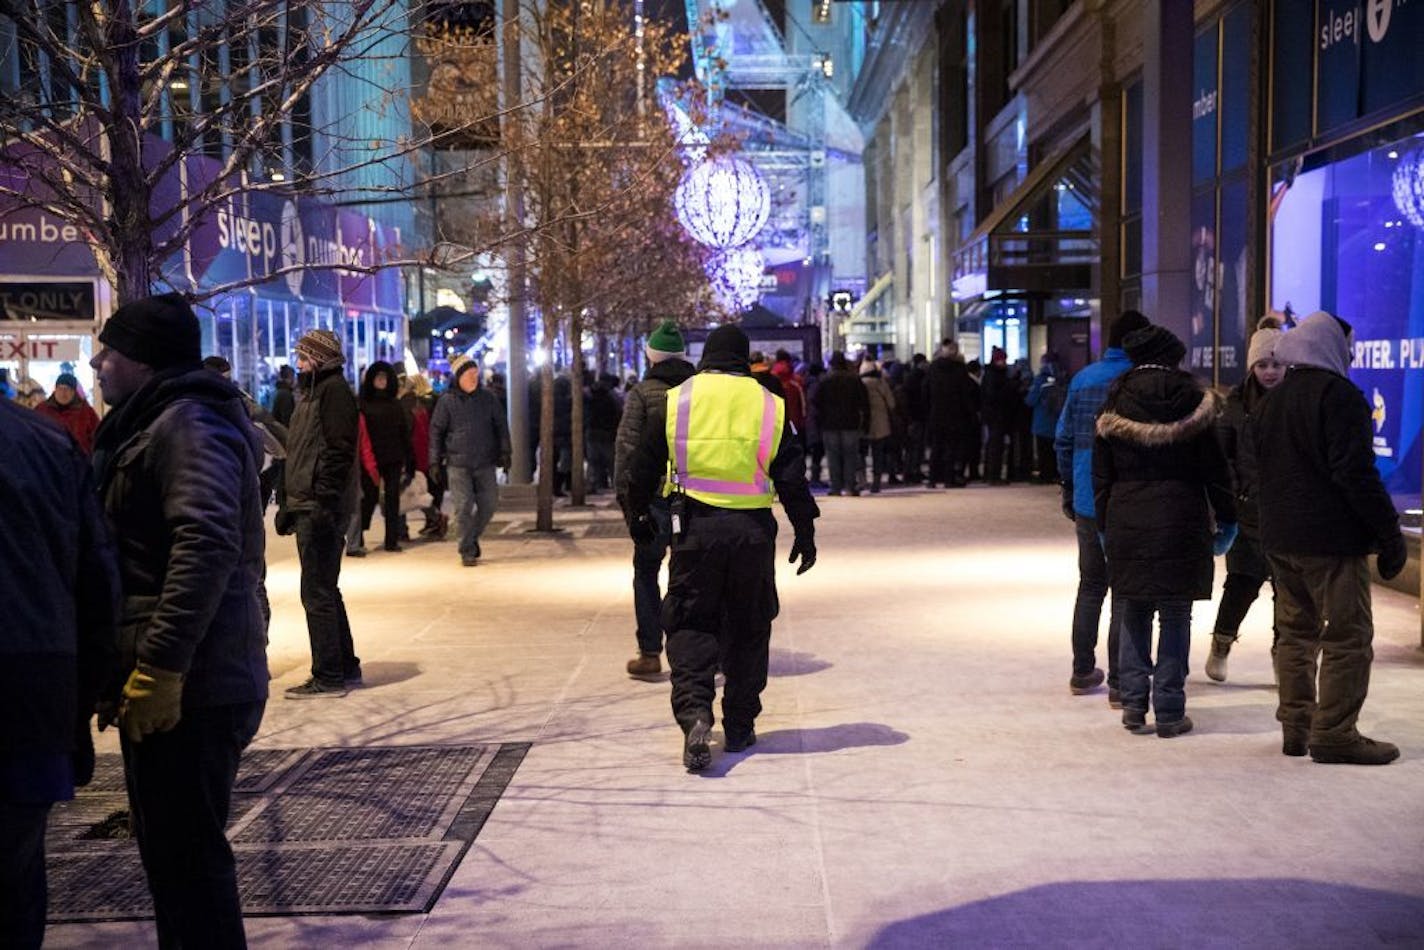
[(1263, 341)]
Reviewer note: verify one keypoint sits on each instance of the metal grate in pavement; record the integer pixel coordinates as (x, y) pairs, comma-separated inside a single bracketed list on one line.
[(329, 831), (354, 794)]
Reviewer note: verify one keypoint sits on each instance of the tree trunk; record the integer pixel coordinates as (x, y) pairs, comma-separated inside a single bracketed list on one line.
[(578, 489), (130, 222), (544, 509)]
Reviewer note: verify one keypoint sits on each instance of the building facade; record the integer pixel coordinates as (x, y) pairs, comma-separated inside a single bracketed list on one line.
[(1033, 167), (314, 194)]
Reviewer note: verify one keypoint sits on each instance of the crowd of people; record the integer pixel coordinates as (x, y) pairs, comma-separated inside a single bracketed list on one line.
[(147, 608)]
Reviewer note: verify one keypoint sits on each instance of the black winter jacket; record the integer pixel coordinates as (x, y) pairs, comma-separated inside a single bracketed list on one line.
[(1159, 475), (284, 402), (1000, 399), (321, 446), (644, 409), (60, 587), (1234, 431), (1320, 493), (601, 412), (841, 402), (387, 421), (468, 430), (178, 465), (951, 398)]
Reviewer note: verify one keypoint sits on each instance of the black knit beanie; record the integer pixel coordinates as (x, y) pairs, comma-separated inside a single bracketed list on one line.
[(1156, 345), (1128, 321), (726, 342), (160, 332)]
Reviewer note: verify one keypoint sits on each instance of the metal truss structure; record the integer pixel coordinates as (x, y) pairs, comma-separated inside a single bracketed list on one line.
[(742, 47)]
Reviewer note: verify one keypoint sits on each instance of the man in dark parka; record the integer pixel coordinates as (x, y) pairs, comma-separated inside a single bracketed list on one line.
[(1324, 509)]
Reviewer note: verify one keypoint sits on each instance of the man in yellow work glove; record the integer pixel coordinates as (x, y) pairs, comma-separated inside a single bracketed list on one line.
[(177, 461), (152, 701)]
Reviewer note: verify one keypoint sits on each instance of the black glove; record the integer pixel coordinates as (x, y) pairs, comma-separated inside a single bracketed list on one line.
[(106, 713), (286, 522), (435, 478), (1068, 510), (804, 548), (642, 530), (1392, 557)]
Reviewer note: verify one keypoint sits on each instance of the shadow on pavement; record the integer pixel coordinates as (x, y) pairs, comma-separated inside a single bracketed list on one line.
[(1270, 912), (795, 663), (384, 673), (851, 735)]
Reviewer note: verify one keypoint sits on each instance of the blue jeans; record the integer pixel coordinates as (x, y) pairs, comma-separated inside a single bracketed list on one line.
[(1088, 608), (843, 457), (647, 598), (1167, 678), (474, 494)]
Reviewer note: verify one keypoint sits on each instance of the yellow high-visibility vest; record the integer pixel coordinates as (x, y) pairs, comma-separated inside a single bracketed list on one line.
[(722, 433)]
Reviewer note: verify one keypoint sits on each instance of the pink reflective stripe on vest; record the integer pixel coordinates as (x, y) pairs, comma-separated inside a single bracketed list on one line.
[(684, 419), (759, 484), (768, 433)]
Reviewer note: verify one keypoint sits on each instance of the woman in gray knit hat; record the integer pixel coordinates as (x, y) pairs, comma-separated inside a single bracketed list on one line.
[(1246, 565)]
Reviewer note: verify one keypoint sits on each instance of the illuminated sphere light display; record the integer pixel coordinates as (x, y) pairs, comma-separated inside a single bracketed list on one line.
[(736, 276), (1408, 187), (723, 202)]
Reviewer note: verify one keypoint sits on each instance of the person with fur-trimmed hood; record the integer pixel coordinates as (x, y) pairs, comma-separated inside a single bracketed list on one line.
[(1162, 494), (1324, 510)]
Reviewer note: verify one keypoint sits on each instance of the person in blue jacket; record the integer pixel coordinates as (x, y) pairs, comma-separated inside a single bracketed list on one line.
[(1045, 398), (1073, 442)]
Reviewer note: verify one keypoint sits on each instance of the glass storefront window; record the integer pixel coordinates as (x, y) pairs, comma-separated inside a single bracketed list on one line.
[(1349, 238)]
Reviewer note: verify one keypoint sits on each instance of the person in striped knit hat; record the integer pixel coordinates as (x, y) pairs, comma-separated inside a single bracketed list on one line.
[(318, 500)]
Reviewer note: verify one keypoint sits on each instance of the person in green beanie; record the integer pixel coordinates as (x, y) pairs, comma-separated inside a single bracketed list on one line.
[(645, 409)]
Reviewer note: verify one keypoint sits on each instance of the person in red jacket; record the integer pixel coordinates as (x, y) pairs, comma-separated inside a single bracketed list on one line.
[(67, 408)]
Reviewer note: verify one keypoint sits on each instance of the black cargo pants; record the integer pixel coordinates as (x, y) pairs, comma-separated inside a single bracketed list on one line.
[(719, 606)]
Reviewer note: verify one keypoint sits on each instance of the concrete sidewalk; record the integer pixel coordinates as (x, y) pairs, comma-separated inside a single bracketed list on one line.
[(922, 775)]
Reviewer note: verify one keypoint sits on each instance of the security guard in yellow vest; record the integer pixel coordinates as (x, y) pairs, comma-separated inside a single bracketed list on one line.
[(727, 452)]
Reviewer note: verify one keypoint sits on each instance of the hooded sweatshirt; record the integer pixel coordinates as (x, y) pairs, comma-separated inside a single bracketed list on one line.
[(1319, 491), (1319, 340)]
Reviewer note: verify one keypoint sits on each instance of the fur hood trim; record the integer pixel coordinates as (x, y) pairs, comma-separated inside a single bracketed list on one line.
[(1111, 425)]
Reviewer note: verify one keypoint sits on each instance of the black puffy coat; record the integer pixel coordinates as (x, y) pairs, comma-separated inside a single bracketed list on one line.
[(1320, 493), (645, 408), (951, 399), (841, 402), (387, 421), (468, 430), (1234, 431), (321, 446), (178, 465), (1159, 475), (284, 402), (1000, 397)]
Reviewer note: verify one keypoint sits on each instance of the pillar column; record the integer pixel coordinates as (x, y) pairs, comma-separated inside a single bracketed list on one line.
[(1168, 37)]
